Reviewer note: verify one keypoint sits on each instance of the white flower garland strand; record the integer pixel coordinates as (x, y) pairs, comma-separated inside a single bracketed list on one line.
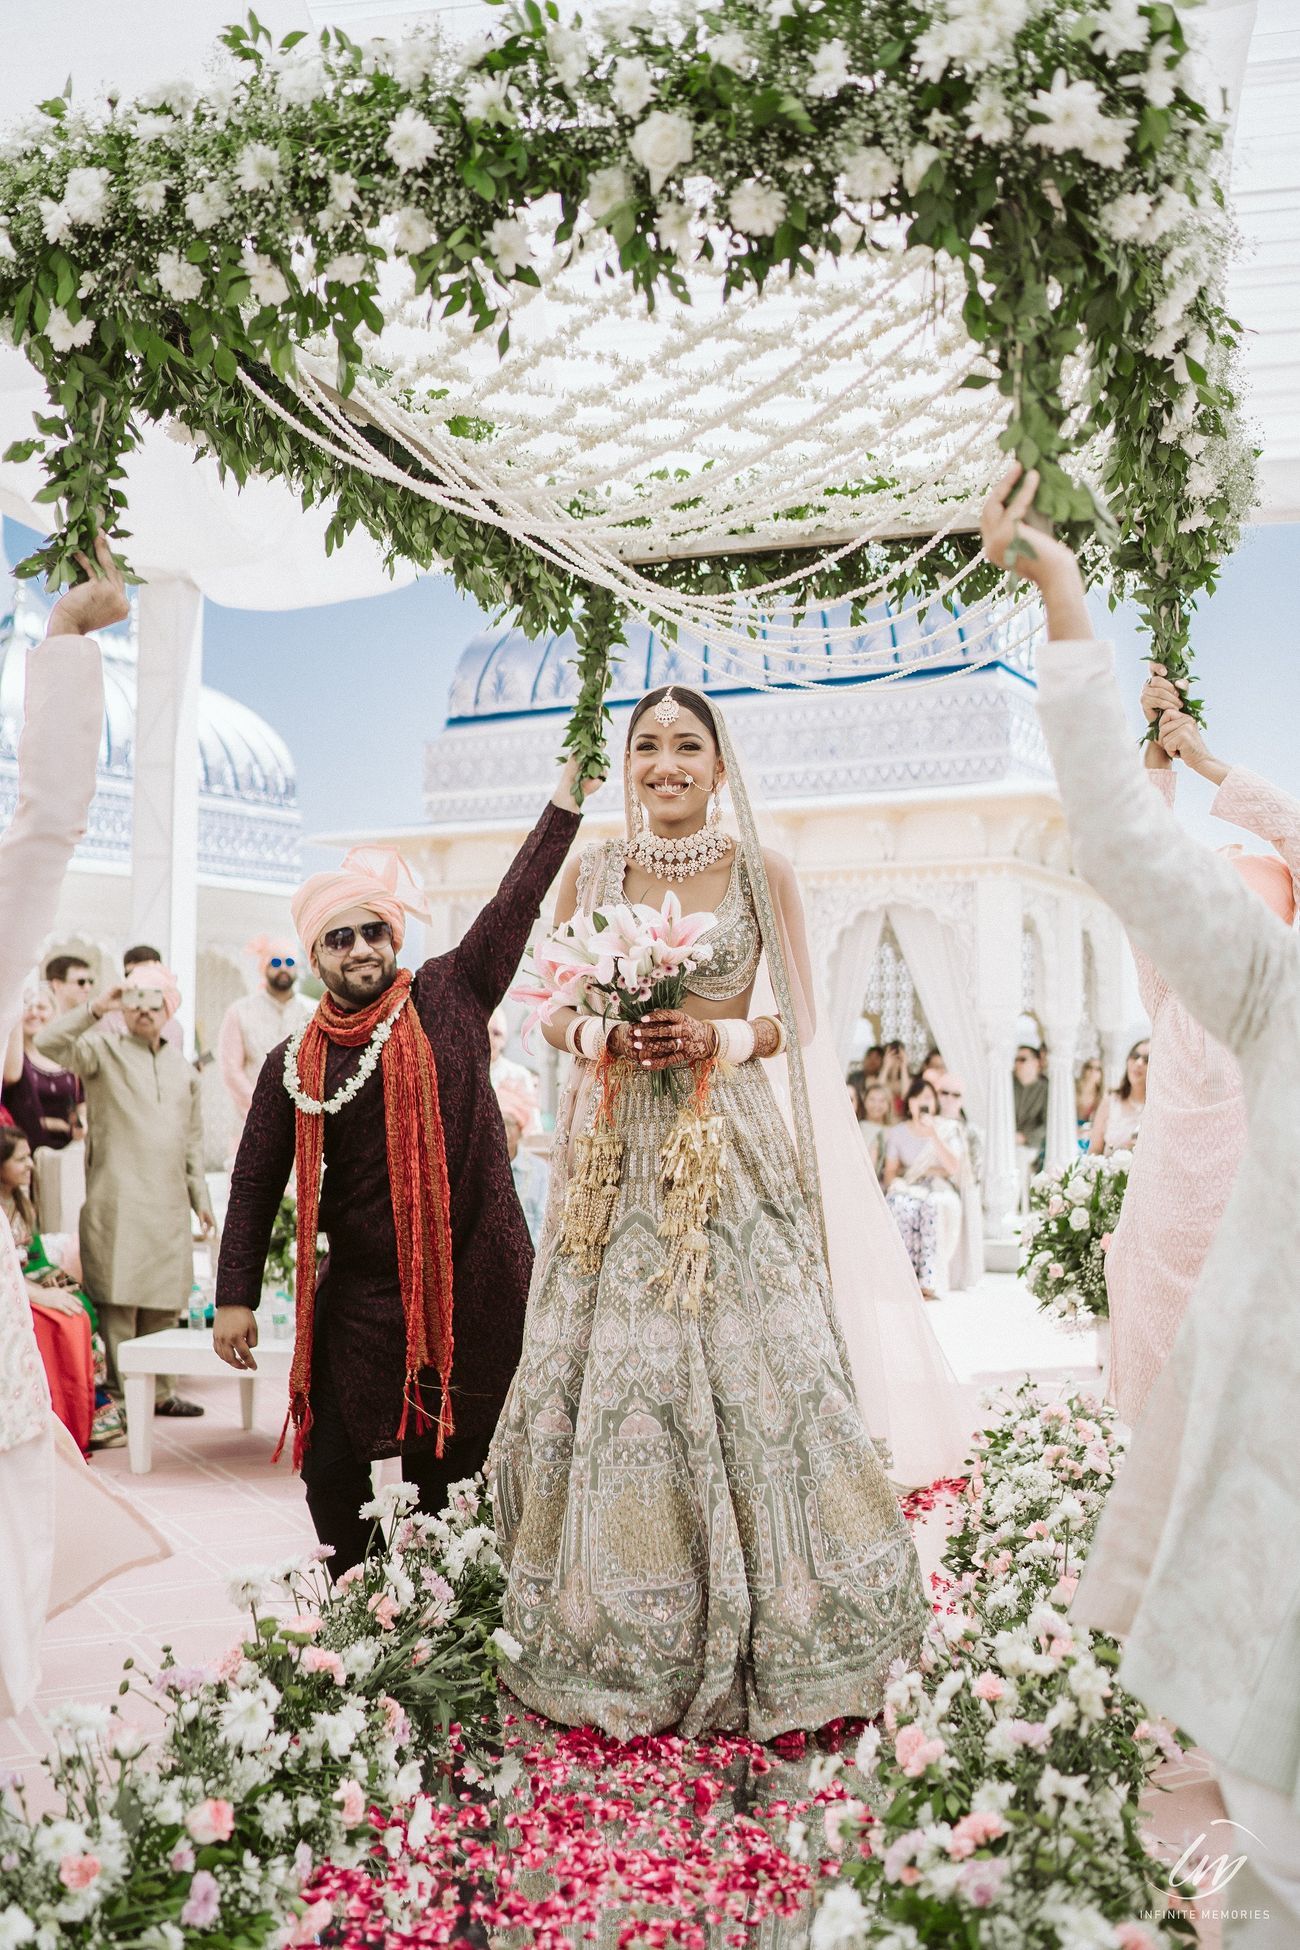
[(311, 1106)]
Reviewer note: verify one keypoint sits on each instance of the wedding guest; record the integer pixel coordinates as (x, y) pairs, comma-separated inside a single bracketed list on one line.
[(1119, 1114), (113, 1022), (530, 1172), (966, 1263), (43, 1099), (872, 1061), (1193, 1564), (933, 1068), (1089, 1087), (896, 1077), (504, 1069), (255, 1023), (921, 1174), (70, 981), (1030, 1088), (63, 1326), (874, 1121), (144, 1174)]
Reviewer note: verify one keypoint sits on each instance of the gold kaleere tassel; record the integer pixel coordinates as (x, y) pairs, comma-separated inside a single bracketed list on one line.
[(691, 1168), (591, 1196)]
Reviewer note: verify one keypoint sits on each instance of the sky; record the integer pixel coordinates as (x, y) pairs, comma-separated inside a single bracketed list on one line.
[(357, 690)]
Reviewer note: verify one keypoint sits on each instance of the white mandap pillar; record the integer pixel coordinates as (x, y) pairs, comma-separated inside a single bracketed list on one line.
[(165, 794), (999, 920)]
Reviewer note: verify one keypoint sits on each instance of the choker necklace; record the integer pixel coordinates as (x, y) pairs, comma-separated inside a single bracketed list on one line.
[(670, 860)]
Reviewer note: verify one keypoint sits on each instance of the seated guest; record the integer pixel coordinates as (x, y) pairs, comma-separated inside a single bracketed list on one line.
[(1089, 1087), (921, 1174), (530, 1172), (896, 1077), (43, 1099), (874, 1120), (1118, 1115), (67, 1332), (1029, 1087), (966, 1265), (933, 1067), (872, 1062)]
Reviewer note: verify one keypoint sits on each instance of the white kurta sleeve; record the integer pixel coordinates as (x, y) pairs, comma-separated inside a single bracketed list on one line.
[(62, 724), (1214, 941)]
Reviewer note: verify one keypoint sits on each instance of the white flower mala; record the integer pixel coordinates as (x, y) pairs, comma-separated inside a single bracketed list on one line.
[(312, 1106)]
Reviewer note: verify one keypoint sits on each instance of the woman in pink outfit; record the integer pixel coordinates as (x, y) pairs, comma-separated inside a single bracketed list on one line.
[(1194, 1123)]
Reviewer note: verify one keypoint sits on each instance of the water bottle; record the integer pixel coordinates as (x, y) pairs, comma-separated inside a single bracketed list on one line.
[(196, 1308), (280, 1315)]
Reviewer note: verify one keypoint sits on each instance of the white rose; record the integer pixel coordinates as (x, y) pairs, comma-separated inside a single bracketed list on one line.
[(756, 209), (510, 245), (868, 174), (411, 140), (918, 165), (63, 335), (257, 168), (631, 86), (178, 279), (675, 230), (607, 189), (85, 195), (830, 70), (1080, 1220), (662, 145), (412, 232)]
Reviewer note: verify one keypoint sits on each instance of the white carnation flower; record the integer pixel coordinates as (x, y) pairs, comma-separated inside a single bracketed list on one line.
[(16, 1927), (412, 230), (153, 128), (178, 279), (1071, 112), (868, 174), (841, 1919), (509, 243), (1126, 217), (631, 85), (606, 190), (257, 168), (675, 229), (7, 251), (506, 1643), (567, 53), (63, 335), (85, 195), (662, 144), (55, 220), (918, 165), (1056, 1789), (411, 140), (1109, 146), (177, 95), (489, 98), (207, 206), (301, 80), (756, 209), (348, 268), (988, 119), (732, 50), (1120, 29), (151, 197), (830, 70)]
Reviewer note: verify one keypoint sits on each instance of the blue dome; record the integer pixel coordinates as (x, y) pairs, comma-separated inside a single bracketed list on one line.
[(503, 673)]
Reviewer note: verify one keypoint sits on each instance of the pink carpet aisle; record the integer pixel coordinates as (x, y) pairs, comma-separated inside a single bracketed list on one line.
[(223, 1506)]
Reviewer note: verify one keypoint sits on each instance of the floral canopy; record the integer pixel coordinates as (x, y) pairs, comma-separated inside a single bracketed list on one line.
[(707, 313)]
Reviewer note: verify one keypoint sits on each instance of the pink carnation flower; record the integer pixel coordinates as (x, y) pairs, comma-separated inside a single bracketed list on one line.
[(384, 1607), (989, 1686), (981, 1882), (79, 1871), (1132, 1936), (203, 1904), (351, 1798), (181, 1859), (914, 1753), (1031, 1733), (315, 1658)]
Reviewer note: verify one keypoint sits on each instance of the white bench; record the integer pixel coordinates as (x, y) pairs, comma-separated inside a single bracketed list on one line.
[(187, 1351)]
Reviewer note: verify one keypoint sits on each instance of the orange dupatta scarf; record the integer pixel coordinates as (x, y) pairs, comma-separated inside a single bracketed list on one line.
[(417, 1172)]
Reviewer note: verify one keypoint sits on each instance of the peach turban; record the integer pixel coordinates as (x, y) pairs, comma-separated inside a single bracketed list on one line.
[(376, 877), (152, 975), (1266, 876)]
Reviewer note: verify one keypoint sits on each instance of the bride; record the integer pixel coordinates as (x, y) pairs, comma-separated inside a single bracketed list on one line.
[(690, 1499)]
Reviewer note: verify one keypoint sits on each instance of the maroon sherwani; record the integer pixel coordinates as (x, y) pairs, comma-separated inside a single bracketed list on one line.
[(360, 1339)]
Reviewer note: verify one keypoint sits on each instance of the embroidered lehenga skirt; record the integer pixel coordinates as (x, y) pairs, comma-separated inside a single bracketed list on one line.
[(696, 1527)]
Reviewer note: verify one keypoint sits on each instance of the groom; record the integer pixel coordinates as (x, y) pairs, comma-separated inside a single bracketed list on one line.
[(408, 1177)]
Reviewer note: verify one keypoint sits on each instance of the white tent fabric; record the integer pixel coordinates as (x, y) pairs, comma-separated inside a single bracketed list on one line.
[(945, 992), (850, 962)]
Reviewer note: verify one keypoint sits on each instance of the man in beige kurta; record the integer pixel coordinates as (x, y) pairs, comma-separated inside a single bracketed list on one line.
[(144, 1164)]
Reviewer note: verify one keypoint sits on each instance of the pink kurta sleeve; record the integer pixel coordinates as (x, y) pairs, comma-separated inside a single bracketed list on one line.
[(1153, 989), (230, 1056), (1250, 801), (62, 724)]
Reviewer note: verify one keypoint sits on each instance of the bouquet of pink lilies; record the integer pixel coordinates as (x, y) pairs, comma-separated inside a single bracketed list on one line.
[(619, 963)]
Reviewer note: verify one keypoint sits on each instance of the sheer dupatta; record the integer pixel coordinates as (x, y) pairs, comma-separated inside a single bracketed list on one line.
[(907, 1393)]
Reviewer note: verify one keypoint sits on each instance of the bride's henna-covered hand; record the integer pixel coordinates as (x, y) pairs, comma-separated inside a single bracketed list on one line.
[(667, 1037)]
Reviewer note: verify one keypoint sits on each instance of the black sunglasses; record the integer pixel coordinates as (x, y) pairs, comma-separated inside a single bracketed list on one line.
[(287, 961), (339, 940)]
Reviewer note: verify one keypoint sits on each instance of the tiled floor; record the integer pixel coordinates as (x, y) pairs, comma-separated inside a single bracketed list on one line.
[(223, 1506)]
